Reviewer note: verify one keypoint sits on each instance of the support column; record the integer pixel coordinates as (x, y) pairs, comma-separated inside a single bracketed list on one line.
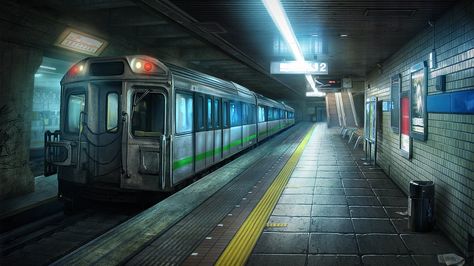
[(18, 64)]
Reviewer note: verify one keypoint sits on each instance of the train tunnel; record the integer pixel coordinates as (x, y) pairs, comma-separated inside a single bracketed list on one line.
[(268, 132)]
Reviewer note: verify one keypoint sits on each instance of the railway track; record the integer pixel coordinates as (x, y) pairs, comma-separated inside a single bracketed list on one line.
[(46, 240)]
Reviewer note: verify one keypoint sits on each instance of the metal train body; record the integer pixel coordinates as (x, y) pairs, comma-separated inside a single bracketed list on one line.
[(136, 124)]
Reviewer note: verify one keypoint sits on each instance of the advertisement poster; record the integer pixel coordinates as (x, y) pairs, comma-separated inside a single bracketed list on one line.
[(395, 87), (405, 140), (418, 102)]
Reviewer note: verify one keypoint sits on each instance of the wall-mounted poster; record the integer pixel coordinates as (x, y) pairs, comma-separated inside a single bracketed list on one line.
[(418, 90), (405, 139), (370, 119), (395, 88)]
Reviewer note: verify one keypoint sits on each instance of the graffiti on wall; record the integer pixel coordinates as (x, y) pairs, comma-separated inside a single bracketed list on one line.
[(11, 135)]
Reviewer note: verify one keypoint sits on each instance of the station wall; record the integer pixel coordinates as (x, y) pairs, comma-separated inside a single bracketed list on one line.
[(447, 156)]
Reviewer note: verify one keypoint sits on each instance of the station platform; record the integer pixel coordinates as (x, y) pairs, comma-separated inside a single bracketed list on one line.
[(46, 190), (302, 198)]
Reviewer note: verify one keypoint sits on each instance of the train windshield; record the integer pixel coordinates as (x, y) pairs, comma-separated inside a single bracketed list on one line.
[(148, 114), (75, 106)]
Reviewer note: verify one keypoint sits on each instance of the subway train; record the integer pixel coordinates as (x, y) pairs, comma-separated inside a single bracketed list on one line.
[(134, 124)]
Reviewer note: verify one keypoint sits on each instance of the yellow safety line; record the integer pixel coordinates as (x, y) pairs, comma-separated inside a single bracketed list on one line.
[(241, 246)]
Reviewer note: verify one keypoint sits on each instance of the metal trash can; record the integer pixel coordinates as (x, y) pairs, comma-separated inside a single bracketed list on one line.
[(421, 206)]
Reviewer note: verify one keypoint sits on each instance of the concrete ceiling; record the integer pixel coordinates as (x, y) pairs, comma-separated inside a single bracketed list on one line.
[(232, 39)]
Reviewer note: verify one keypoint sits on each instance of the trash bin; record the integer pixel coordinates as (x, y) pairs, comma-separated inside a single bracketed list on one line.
[(421, 206)]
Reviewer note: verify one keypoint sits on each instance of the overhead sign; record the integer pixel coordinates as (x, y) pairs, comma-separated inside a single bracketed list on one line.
[(297, 67), (315, 94), (329, 84), (81, 42)]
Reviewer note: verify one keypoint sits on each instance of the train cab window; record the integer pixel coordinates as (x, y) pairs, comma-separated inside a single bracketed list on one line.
[(225, 114), (217, 114), (235, 114), (261, 114), (209, 113), (199, 112), (148, 114), (184, 113), (75, 106), (112, 112)]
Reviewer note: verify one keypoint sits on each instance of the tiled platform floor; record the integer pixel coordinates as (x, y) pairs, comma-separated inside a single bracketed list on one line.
[(336, 211)]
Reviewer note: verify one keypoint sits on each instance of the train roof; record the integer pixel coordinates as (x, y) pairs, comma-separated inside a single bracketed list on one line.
[(165, 71)]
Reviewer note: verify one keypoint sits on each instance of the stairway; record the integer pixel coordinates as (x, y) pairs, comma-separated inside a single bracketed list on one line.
[(340, 109), (331, 110)]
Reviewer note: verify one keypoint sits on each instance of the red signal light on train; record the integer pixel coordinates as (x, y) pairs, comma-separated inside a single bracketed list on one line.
[(145, 65), (77, 69), (148, 66)]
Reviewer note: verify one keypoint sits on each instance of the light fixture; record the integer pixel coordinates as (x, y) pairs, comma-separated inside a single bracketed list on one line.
[(278, 15), (343, 35), (47, 67), (81, 42)]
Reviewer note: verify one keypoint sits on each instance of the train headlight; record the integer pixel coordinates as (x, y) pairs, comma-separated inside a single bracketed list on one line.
[(143, 64), (76, 70), (146, 65)]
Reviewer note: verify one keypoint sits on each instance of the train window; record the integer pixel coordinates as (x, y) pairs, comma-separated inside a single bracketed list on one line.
[(276, 114), (75, 106), (252, 114), (225, 112), (270, 113), (245, 114), (184, 113), (217, 114), (112, 111), (199, 106), (235, 114), (261, 114), (148, 114), (209, 113)]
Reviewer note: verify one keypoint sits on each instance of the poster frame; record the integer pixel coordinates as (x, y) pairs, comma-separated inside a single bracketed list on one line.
[(418, 100)]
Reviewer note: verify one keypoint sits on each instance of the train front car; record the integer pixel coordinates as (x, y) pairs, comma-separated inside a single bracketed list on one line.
[(114, 129)]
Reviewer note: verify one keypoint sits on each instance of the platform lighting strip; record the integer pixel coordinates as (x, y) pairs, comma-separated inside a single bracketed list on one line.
[(241, 246), (279, 17)]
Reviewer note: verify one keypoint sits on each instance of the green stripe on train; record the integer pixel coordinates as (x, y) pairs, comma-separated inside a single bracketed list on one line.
[(189, 160)]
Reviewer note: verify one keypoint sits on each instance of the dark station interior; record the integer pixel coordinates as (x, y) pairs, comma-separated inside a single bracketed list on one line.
[(265, 132)]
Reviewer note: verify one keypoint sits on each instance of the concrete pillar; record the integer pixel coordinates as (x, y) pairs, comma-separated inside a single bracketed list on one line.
[(18, 65)]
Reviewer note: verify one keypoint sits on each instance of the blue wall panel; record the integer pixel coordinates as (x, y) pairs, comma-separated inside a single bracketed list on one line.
[(461, 102)]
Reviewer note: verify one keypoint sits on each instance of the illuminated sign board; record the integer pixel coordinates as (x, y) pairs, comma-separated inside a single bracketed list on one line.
[(329, 84), (81, 42), (315, 94), (297, 67)]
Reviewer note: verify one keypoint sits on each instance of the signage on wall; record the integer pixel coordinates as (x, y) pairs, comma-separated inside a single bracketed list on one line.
[(418, 91), (405, 139), (395, 89), (298, 67)]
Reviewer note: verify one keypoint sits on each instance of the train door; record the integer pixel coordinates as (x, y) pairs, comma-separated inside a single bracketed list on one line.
[(225, 128), (217, 130), (209, 153), (102, 133), (144, 145), (200, 132)]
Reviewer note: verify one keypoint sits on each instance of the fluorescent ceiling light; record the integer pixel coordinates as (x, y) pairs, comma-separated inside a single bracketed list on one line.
[(278, 14), (47, 67)]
